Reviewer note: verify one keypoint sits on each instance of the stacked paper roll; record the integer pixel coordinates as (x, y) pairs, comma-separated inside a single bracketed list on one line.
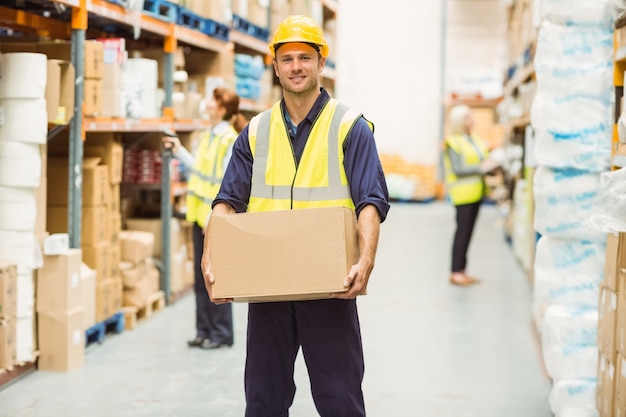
[(18, 209), (21, 248), (25, 120), (23, 75), (20, 164)]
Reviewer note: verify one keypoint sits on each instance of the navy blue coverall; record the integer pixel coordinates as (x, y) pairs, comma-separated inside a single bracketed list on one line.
[(327, 330)]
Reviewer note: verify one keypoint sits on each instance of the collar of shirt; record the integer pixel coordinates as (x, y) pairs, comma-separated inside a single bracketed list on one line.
[(313, 113)]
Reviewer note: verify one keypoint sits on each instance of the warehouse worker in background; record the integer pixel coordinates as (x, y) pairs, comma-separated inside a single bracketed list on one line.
[(214, 323), (466, 161), (327, 151)]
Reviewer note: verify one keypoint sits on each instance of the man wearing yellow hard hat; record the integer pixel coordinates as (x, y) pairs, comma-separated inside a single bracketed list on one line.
[(326, 152)]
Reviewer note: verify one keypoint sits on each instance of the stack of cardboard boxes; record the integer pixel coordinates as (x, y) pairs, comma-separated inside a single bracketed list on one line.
[(8, 310), (139, 275), (611, 394), (61, 312)]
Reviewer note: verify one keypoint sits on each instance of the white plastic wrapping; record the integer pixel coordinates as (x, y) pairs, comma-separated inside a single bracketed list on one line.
[(574, 59), (24, 120), (567, 273), (609, 212), (578, 12), (25, 293), (18, 209), (20, 164), (564, 199), (25, 339), (572, 131), (569, 342), (22, 249), (139, 86), (23, 75), (574, 398)]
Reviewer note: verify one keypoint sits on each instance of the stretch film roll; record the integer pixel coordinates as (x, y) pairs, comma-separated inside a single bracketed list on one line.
[(20, 164), (23, 75), (22, 249), (18, 209), (25, 120)]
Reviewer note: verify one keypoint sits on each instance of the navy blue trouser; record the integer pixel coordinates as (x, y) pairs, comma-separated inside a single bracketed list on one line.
[(212, 321), (328, 332), (466, 215)]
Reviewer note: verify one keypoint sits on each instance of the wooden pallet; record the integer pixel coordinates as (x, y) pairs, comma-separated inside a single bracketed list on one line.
[(135, 315)]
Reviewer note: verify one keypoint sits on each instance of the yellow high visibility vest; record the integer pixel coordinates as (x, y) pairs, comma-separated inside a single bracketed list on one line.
[(319, 180), (468, 189), (207, 172)]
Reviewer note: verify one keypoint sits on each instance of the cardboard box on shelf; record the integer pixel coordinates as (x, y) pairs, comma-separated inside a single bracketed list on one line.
[(94, 55), (8, 290), (606, 386), (115, 258), (88, 282), (154, 226), (95, 182), (114, 51), (58, 283), (92, 104), (7, 343), (97, 257), (136, 245), (607, 319), (108, 148), (274, 244), (60, 91), (61, 340), (615, 258), (94, 223), (620, 386)]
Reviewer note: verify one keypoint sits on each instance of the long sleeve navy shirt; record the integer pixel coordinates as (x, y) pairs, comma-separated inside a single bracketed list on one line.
[(361, 163)]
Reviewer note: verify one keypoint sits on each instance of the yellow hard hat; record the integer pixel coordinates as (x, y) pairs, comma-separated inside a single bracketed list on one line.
[(299, 28)]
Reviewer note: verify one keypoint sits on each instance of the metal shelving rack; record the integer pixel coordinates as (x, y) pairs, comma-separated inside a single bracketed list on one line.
[(81, 12)]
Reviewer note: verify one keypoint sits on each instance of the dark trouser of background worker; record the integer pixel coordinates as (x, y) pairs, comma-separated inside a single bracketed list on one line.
[(466, 215), (213, 322), (275, 333)]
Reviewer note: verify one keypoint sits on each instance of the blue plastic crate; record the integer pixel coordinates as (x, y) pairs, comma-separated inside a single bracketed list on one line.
[(190, 20), (245, 26), (161, 9), (216, 29)]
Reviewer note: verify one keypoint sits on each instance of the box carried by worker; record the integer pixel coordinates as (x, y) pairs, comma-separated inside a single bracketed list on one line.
[(284, 255)]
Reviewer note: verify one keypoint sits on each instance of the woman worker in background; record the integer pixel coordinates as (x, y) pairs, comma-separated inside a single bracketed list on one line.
[(466, 160), (214, 323)]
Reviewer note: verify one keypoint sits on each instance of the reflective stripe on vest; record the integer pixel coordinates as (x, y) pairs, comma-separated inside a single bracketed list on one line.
[(268, 130)]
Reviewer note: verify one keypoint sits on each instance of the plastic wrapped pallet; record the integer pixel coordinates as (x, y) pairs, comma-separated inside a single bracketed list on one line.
[(578, 12), (574, 398)]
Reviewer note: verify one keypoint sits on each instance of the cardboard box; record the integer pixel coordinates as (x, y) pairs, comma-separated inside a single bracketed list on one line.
[(95, 186), (97, 257), (136, 245), (620, 386), (115, 258), (132, 274), (58, 283), (109, 149), (92, 104), (607, 319), (88, 280), (8, 290), (137, 295), (60, 91), (7, 344), (154, 226), (615, 258), (282, 255), (108, 298), (61, 340), (94, 55), (606, 386), (94, 224)]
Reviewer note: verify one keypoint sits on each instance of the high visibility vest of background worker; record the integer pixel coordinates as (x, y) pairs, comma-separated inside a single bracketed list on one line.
[(214, 323), (327, 330), (466, 160)]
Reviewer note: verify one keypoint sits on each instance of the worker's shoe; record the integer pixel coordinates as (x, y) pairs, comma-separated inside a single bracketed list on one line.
[(207, 344), (462, 280), (197, 342)]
